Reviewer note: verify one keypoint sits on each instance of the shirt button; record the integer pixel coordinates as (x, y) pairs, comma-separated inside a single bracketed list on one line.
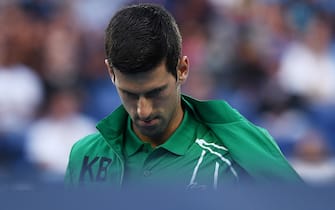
[(147, 173)]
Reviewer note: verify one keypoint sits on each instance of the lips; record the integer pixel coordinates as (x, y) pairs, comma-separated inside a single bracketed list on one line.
[(147, 123)]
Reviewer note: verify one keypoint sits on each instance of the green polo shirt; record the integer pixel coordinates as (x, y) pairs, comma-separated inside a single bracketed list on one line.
[(191, 157)]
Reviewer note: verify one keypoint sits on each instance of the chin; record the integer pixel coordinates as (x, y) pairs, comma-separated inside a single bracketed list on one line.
[(151, 133)]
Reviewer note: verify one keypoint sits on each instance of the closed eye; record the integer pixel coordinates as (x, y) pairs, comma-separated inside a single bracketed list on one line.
[(156, 92), (149, 94), (130, 95), (153, 94)]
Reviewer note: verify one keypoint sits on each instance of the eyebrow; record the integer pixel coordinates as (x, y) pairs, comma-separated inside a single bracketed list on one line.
[(149, 92)]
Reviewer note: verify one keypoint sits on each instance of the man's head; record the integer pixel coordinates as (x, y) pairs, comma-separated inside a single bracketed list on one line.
[(140, 37), (143, 48)]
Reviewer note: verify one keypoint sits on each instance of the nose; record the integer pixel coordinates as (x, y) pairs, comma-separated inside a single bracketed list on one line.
[(144, 108)]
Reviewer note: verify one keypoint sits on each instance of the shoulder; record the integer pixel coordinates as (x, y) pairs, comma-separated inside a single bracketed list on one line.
[(88, 143), (212, 111)]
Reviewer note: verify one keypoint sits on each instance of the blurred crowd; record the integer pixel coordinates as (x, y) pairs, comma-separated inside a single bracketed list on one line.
[(273, 60)]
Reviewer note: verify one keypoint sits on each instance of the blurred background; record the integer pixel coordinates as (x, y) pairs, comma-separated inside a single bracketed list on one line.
[(273, 60)]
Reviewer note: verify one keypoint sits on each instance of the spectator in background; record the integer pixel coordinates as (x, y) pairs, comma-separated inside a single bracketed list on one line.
[(312, 159), (100, 94), (307, 68), (21, 90), (61, 50), (307, 71), (50, 138)]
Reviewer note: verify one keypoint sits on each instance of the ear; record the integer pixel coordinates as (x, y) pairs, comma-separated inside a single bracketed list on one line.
[(110, 71), (182, 69)]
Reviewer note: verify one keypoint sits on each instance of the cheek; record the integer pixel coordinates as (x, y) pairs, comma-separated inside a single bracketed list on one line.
[(168, 103)]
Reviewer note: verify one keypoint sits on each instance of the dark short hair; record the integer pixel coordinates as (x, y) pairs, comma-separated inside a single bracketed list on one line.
[(140, 37)]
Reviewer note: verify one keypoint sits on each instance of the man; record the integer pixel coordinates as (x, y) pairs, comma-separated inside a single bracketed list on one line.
[(159, 136)]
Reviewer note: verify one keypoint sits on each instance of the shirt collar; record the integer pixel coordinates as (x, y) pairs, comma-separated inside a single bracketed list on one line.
[(132, 142), (180, 141)]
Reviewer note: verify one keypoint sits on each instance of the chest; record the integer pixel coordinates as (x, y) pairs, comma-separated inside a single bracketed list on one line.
[(204, 165)]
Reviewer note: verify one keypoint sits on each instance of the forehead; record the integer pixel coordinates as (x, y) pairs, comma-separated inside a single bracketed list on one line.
[(143, 81)]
